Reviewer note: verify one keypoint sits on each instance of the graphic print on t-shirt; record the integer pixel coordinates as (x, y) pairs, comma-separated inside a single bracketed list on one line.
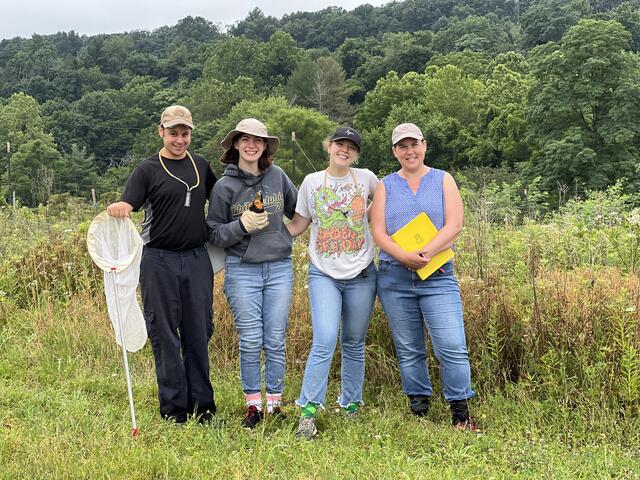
[(340, 211)]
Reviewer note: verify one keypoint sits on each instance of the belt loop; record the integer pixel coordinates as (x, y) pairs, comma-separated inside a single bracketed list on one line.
[(196, 252), (161, 253)]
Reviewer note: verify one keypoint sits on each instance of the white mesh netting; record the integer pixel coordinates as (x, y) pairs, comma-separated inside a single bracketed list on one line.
[(116, 247)]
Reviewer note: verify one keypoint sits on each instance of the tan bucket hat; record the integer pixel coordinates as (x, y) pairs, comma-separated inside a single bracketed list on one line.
[(253, 127)]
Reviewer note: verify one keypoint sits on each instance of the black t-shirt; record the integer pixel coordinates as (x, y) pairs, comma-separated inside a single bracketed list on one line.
[(168, 224)]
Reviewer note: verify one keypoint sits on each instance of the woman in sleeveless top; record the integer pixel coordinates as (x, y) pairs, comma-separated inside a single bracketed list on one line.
[(410, 303)]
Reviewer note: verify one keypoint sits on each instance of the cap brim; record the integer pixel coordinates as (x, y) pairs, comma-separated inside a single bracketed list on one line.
[(333, 139), (409, 135), (175, 123)]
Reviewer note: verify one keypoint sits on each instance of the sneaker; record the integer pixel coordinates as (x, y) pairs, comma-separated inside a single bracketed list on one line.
[(205, 418), (351, 411), (277, 414), (252, 418), (468, 426), (179, 420), (306, 428)]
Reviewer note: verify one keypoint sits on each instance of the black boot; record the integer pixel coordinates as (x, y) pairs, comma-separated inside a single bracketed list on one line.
[(419, 404), (460, 417), (459, 411)]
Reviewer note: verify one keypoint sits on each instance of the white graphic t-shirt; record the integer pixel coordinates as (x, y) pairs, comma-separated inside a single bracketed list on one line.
[(341, 245)]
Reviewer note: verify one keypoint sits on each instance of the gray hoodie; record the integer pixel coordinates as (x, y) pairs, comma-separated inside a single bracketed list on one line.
[(233, 194)]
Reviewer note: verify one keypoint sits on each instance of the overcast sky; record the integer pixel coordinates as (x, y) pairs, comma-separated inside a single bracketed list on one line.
[(26, 17)]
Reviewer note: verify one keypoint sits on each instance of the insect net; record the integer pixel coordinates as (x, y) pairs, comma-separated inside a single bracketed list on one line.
[(116, 247)]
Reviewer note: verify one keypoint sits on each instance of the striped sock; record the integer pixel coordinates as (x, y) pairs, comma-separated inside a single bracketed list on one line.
[(309, 410), (254, 399), (273, 400)]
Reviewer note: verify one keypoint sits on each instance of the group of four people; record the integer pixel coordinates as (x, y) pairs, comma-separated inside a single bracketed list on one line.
[(246, 211)]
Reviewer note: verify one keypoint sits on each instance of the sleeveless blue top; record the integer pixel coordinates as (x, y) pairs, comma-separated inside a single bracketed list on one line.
[(402, 205)]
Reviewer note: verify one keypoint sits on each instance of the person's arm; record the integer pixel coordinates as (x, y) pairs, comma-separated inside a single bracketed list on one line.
[(373, 183), (135, 192), (298, 225), (223, 231), (302, 216), (453, 219), (210, 181), (290, 196), (412, 260)]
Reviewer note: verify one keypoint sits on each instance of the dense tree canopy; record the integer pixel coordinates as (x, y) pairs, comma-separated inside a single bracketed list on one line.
[(583, 109), (546, 90)]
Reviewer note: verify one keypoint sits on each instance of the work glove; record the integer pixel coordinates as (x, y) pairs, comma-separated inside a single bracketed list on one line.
[(252, 221)]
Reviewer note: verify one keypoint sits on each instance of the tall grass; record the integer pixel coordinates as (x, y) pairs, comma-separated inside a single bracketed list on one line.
[(63, 414), (570, 331), (551, 314)]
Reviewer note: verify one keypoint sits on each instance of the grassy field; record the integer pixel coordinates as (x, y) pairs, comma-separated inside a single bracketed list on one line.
[(64, 414), (552, 314)]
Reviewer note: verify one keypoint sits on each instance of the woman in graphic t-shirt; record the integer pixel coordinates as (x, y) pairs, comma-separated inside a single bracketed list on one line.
[(342, 276)]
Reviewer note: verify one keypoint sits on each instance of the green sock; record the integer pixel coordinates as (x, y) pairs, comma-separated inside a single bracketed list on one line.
[(309, 410), (352, 407)]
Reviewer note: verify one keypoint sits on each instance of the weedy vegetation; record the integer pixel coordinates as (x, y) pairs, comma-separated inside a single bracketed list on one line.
[(552, 316)]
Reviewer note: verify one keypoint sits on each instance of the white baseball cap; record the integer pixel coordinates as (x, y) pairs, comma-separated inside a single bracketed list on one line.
[(406, 130)]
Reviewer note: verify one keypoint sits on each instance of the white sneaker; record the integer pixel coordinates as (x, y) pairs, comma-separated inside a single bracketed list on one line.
[(306, 428)]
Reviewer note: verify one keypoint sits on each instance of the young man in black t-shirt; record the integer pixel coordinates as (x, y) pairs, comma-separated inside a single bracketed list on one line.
[(176, 277)]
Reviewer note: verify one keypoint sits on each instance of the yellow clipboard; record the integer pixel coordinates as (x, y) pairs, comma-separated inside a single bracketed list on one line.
[(415, 235)]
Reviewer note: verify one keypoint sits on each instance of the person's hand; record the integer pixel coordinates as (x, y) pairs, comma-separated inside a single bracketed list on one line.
[(414, 261), (426, 254), (119, 209), (252, 221)]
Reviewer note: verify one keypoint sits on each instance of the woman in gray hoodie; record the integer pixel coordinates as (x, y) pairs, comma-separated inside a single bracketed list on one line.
[(245, 218)]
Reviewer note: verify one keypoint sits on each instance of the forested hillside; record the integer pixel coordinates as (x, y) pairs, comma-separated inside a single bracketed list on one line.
[(542, 94)]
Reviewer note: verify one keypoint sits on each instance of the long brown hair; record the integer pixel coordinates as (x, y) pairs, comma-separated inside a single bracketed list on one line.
[(232, 155)]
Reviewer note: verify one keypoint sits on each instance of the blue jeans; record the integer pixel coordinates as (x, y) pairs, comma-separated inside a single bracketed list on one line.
[(259, 295), (410, 304), (344, 305)]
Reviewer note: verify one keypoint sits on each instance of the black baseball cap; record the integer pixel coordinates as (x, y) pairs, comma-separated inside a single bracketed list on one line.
[(347, 133)]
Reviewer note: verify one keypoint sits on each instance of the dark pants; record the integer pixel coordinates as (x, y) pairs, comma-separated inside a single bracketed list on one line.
[(177, 294)]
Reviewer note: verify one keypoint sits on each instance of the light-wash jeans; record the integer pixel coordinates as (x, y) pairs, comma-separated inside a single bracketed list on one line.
[(259, 295), (410, 304), (343, 306)]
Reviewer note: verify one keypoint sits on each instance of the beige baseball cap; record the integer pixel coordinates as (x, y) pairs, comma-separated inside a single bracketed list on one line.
[(406, 130), (176, 115)]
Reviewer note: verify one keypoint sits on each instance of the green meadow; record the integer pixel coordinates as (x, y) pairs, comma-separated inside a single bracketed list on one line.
[(551, 312)]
